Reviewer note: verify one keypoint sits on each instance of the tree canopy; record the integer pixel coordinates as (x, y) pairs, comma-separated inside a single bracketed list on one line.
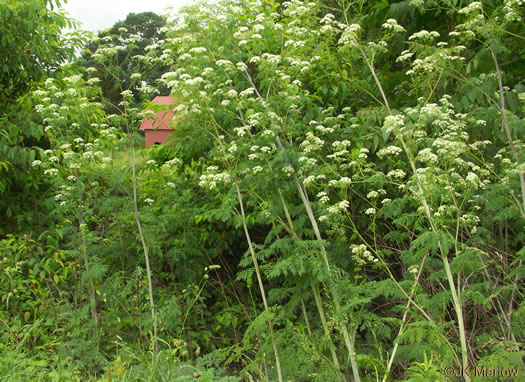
[(32, 48), (132, 37), (32, 44)]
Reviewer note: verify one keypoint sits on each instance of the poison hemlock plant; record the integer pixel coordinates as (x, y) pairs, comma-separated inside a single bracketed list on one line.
[(342, 201)]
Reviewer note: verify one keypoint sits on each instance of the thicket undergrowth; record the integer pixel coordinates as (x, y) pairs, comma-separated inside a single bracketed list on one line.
[(343, 199)]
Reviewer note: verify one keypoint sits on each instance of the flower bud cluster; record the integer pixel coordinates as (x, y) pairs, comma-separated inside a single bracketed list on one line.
[(362, 256)]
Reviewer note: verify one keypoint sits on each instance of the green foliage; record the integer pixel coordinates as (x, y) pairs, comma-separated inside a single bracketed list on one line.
[(32, 44), (129, 39), (32, 275), (339, 179), (32, 48), (425, 371)]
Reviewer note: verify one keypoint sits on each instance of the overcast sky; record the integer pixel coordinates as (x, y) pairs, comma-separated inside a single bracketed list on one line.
[(100, 14)]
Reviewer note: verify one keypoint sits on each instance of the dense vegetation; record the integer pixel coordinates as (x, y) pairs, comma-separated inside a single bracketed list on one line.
[(343, 200)]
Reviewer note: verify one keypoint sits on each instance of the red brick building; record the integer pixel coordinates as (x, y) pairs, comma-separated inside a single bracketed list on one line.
[(158, 129)]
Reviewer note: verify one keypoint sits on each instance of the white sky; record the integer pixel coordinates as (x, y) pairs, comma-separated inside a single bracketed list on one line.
[(101, 14)]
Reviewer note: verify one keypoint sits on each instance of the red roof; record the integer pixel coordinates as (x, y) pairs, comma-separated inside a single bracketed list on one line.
[(163, 118)]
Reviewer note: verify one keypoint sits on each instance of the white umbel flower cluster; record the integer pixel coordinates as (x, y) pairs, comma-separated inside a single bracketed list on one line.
[(392, 25), (212, 178), (424, 36), (312, 143), (362, 255), (389, 151)]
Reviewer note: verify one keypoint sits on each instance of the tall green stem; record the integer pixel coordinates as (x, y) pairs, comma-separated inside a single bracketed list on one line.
[(259, 279), (142, 239), (455, 294), (506, 123), (319, 304), (349, 341), (136, 212), (314, 287), (92, 295), (256, 266), (403, 322), (347, 338), (145, 247)]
